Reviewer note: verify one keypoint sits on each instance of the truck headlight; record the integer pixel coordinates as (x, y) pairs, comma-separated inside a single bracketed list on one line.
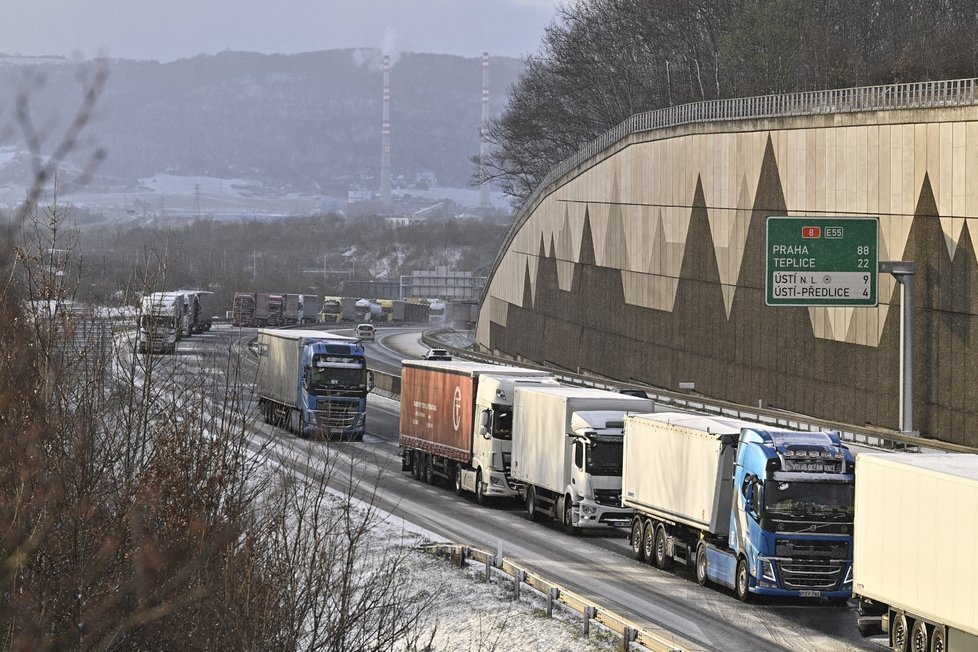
[(496, 481), (767, 571), (588, 509), (848, 579)]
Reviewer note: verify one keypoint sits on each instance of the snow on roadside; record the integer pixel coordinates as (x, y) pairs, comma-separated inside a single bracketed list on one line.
[(471, 616)]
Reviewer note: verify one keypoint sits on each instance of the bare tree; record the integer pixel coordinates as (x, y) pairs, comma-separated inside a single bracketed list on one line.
[(137, 506)]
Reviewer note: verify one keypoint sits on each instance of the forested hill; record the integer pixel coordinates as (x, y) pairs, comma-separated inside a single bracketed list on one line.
[(305, 121)]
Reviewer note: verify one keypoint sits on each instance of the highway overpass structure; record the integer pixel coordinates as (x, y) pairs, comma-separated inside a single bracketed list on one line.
[(642, 258)]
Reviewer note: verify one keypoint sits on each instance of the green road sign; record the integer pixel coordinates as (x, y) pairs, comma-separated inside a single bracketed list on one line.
[(822, 261)]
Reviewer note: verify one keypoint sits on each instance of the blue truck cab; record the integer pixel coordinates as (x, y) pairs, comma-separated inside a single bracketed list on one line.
[(791, 519), (334, 388)]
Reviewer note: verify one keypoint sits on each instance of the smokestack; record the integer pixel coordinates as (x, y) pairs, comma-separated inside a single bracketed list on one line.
[(385, 137), (484, 132)]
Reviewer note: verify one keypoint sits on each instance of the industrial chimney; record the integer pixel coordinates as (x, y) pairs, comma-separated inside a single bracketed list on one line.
[(385, 137), (484, 133)]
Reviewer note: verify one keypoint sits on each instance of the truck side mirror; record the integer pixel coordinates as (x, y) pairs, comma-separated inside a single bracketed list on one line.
[(484, 420), (370, 379)]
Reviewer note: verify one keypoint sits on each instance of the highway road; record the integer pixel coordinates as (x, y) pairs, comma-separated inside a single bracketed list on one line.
[(598, 566)]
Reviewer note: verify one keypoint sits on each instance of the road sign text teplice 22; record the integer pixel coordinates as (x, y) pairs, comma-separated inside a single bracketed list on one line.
[(819, 261)]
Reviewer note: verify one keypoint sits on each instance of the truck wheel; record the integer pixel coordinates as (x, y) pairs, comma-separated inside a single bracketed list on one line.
[(531, 504), (459, 491), (415, 465), (919, 639), (938, 639), (648, 541), (568, 517), (701, 575), (900, 633), (480, 490), (429, 469), (742, 580), (638, 550), (662, 559)]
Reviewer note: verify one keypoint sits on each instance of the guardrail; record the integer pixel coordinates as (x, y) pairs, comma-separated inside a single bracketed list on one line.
[(872, 436), (629, 631)]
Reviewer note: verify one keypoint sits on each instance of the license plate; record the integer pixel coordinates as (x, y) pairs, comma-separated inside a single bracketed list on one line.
[(810, 594)]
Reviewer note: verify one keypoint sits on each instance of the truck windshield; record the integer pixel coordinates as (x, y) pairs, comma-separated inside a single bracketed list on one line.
[(322, 378), (502, 421), (149, 321), (604, 458), (803, 500)]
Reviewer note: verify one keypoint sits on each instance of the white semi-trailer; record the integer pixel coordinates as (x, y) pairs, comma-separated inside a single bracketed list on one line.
[(759, 510), (915, 562), (567, 450), (313, 382)]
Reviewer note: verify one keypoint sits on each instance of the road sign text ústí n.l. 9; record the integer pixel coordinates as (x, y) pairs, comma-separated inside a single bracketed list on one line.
[(822, 261)]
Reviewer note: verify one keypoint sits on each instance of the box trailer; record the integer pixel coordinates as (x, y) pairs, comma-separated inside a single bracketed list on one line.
[(313, 382), (915, 553), (567, 450), (456, 423)]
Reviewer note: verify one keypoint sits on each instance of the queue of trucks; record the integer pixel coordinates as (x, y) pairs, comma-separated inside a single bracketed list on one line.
[(761, 510), (167, 317), (267, 309)]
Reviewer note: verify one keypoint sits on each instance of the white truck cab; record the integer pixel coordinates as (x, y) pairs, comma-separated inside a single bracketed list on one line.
[(595, 486), (492, 446)]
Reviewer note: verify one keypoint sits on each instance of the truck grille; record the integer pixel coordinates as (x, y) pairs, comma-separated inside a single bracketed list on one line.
[(812, 565), (608, 497), (810, 575), (336, 415)]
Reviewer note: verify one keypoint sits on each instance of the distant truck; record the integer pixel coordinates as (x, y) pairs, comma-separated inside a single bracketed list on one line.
[(758, 510), (915, 571), (368, 310), (332, 310), (243, 308), (567, 451), (293, 310), (160, 322), (410, 311), (313, 383), (205, 311), (456, 423), (200, 315), (306, 313), (386, 310), (437, 310)]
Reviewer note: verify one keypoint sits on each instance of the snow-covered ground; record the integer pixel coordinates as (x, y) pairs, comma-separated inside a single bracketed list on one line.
[(468, 615)]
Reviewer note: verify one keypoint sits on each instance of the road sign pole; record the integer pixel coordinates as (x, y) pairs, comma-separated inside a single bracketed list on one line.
[(903, 272)]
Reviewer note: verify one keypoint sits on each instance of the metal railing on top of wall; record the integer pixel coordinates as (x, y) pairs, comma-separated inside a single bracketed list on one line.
[(888, 97)]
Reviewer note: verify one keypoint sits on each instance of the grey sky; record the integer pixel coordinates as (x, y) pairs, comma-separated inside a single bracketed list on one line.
[(171, 29)]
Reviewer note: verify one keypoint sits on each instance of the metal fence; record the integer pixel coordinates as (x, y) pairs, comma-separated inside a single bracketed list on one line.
[(959, 92), (628, 631)]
